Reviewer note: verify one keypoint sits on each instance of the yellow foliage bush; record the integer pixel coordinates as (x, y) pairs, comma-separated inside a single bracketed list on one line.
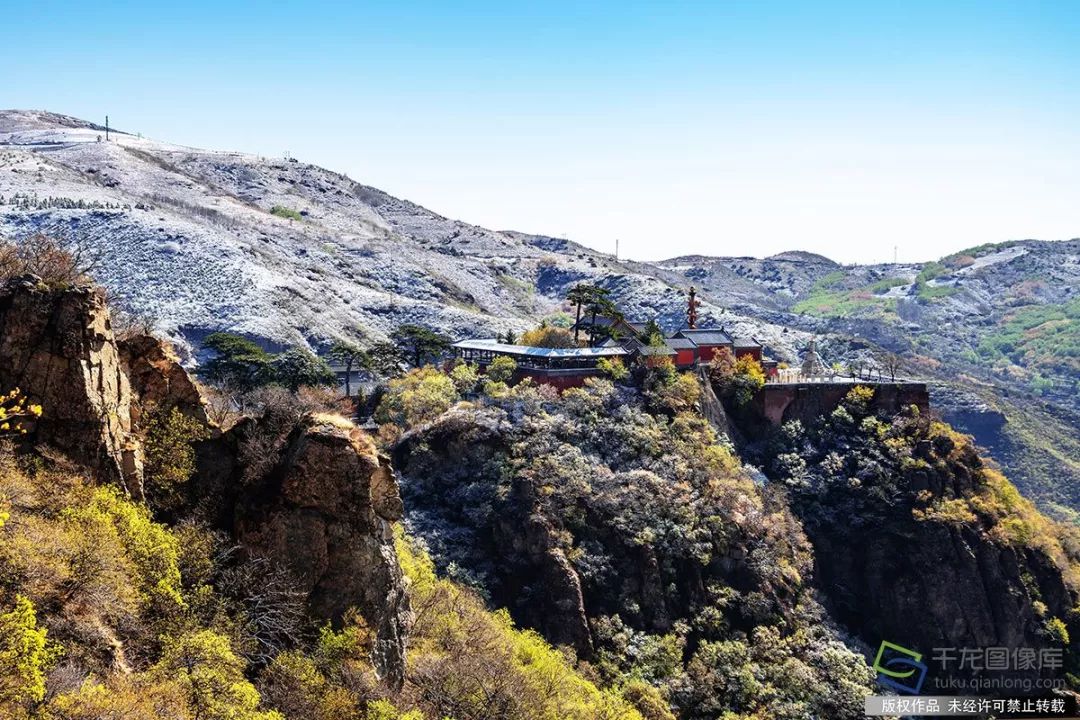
[(417, 397), (465, 661), (548, 336), (25, 657), (211, 677)]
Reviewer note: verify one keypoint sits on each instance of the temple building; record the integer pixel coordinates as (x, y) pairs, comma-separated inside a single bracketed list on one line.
[(687, 348)]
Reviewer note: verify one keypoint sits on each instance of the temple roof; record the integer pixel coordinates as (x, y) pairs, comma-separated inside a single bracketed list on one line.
[(665, 349), (706, 336), (680, 343)]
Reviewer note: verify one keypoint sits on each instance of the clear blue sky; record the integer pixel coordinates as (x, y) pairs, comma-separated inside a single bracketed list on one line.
[(723, 128)]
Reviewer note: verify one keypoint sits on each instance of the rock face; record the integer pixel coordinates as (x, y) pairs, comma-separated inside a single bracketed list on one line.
[(933, 585), (322, 506), (158, 379), (317, 499), (572, 542), (516, 544), (927, 549), (58, 347)]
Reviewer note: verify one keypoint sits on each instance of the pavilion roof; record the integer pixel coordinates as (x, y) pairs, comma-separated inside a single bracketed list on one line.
[(493, 345)]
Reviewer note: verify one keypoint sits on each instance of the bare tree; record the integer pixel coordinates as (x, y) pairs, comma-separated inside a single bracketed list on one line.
[(53, 259), (892, 364), (273, 615)]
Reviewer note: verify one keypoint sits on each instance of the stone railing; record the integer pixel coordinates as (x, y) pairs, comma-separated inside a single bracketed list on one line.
[(796, 375)]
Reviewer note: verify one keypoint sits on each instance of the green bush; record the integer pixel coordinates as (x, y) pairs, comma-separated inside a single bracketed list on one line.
[(288, 213), (501, 369), (25, 657), (170, 456), (419, 396)]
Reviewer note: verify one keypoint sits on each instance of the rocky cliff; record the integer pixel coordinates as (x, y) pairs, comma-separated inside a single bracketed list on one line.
[(918, 542), (311, 495), (325, 510), (617, 532), (59, 348)]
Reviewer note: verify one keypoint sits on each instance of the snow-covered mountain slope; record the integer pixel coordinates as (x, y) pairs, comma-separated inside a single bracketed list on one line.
[(284, 251), (290, 253)]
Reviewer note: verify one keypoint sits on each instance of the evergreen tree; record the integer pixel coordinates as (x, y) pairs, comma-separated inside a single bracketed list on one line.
[(580, 295), (420, 344), (297, 367), (350, 355), (237, 361)]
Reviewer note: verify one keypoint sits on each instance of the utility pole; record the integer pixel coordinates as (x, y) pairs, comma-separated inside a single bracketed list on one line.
[(106, 128), (616, 248)]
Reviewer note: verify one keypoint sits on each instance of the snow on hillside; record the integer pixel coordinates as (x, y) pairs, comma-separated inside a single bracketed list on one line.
[(187, 237), (287, 252)]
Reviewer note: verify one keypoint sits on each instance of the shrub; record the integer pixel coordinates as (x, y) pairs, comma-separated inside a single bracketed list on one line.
[(41, 255), (548, 336), (417, 397), (25, 656), (465, 376), (613, 368), (294, 684), (151, 549), (211, 676), (15, 412), (298, 367), (288, 213), (722, 367), (1057, 630), (749, 378), (858, 400), (170, 456), (670, 391), (737, 378), (501, 369)]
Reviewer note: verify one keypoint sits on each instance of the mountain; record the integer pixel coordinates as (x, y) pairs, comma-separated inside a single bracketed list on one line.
[(288, 253), (645, 547), (494, 550)]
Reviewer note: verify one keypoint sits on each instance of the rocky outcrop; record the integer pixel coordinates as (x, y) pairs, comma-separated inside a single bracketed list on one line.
[(57, 345), (924, 548), (568, 543), (158, 380), (321, 505), (544, 574), (513, 544), (316, 498), (931, 585)]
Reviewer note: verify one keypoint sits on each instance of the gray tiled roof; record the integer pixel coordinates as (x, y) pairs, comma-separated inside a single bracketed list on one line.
[(506, 349), (657, 350), (679, 343), (706, 336)]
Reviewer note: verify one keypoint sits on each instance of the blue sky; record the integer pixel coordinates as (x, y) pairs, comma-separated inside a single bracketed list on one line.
[(734, 128)]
